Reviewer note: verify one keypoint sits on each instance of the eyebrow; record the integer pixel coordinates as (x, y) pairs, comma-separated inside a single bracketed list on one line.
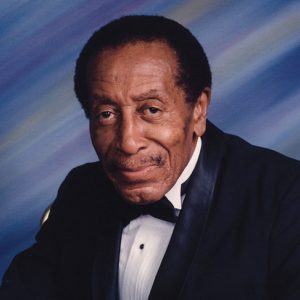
[(151, 94), (102, 99)]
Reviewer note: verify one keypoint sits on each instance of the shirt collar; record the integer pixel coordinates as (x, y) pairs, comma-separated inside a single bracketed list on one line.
[(174, 194)]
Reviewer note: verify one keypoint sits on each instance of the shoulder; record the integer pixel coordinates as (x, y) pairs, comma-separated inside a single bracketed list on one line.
[(82, 189), (84, 195), (88, 170), (239, 154), (247, 172), (262, 160), (89, 176)]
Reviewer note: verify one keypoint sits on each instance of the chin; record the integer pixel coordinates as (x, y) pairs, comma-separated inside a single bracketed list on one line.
[(142, 195)]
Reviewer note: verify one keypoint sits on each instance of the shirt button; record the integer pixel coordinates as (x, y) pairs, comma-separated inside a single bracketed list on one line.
[(142, 246)]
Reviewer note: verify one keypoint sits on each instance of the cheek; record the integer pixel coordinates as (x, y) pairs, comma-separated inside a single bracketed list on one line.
[(100, 140), (175, 133), (171, 131), (179, 142), (173, 141)]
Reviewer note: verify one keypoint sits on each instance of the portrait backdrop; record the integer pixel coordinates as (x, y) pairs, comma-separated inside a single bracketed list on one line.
[(254, 51)]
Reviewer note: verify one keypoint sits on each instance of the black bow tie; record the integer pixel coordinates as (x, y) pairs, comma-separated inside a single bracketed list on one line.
[(162, 209)]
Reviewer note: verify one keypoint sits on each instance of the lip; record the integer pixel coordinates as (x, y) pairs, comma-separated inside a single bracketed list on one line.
[(135, 175)]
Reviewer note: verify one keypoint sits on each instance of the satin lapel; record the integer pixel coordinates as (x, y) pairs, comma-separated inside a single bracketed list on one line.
[(106, 264), (186, 238)]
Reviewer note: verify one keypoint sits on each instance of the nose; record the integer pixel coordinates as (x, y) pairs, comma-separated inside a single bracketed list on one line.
[(130, 137)]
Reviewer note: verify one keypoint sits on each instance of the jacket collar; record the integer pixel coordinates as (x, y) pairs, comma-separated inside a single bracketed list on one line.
[(188, 231)]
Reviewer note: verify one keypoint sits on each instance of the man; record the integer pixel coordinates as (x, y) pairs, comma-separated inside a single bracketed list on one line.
[(175, 209)]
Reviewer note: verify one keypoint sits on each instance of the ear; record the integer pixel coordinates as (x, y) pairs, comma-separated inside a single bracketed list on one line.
[(200, 111)]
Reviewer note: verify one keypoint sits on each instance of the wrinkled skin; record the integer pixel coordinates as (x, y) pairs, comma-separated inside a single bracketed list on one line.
[(142, 128)]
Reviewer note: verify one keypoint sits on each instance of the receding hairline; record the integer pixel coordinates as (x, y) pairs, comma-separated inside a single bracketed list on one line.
[(175, 72)]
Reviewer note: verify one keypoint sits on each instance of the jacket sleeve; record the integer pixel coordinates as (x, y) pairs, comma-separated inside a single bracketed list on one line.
[(33, 273), (284, 264)]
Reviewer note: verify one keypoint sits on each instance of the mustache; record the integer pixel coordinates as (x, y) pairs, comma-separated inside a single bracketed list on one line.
[(117, 163)]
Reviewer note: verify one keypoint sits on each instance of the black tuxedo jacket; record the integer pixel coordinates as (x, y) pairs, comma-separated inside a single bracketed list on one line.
[(238, 234)]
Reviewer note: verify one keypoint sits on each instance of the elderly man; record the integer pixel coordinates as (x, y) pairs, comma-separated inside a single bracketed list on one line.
[(175, 209)]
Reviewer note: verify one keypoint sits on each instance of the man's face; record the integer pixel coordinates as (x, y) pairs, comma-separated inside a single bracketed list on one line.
[(142, 128)]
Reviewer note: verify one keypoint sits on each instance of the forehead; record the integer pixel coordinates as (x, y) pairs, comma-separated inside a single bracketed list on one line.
[(144, 58)]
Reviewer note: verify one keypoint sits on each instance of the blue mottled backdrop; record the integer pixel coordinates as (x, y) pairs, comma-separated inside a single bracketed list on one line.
[(253, 46)]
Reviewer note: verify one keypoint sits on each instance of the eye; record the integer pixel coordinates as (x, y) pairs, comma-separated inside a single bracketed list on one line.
[(105, 117), (151, 113), (153, 110), (105, 114)]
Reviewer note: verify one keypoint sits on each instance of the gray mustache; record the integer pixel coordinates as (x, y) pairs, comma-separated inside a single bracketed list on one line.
[(125, 163)]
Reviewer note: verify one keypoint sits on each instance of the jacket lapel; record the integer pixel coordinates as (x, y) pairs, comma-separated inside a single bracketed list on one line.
[(106, 263), (186, 238)]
